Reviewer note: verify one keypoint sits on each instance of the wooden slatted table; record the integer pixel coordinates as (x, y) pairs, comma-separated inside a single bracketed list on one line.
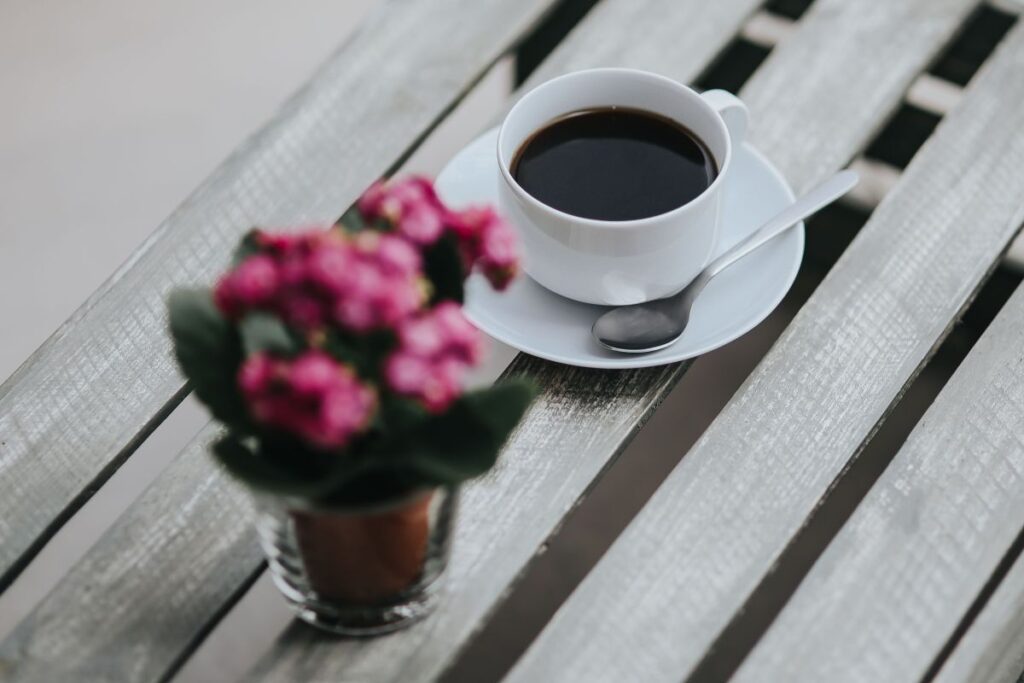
[(924, 581)]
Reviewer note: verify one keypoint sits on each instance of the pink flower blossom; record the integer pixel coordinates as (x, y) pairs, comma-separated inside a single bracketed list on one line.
[(312, 373), (279, 242), (298, 237), (435, 350), (313, 397), (356, 314), (372, 200), (421, 223), (487, 241), (381, 285), (256, 374), (434, 383), (411, 206), (407, 373), (413, 209), (499, 256), (398, 255), (463, 340), (423, 336), (303, 310), (252, 284), (362, 282), (326, 268)]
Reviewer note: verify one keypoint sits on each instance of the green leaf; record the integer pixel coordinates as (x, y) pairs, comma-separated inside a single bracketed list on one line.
[(340, 346), (266, 332), (209, 353), (352, 220), (442, 264), (372, 488), (400, 415), (501, 406), (416, 449), (260, 472), (366, 351), (247, 247), (465, 441)]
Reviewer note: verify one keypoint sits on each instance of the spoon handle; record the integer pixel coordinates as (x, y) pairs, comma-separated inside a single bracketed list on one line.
[(820, 197)]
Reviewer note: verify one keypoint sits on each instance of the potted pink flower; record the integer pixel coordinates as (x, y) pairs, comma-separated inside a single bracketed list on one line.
[(335, 358)]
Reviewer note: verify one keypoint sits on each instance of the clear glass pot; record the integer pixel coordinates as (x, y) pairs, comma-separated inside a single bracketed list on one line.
[(362, 571)]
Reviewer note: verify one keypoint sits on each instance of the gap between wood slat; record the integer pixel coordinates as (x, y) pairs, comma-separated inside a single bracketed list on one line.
[(768, 29), (992, 649), (74, 539), (1008, 6), (785, 645), (757, 614), (877, 179), (908, 574), (985, 595), (934, 94)]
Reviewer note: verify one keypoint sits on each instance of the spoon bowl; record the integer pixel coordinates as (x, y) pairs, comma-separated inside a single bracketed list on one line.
[(654, 328)]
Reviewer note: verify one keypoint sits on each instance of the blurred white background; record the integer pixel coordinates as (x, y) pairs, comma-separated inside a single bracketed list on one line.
[(112, 112)]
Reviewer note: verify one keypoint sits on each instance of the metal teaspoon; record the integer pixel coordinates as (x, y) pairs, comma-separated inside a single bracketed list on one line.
[(654, 325)]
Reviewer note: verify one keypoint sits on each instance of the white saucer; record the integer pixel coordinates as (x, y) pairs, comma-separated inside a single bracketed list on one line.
[(532, 319)]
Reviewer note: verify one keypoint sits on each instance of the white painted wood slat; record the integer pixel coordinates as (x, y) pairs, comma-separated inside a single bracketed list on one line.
[(140, 596), (97, 387), (888, 592), (992, 650), (690, 559)]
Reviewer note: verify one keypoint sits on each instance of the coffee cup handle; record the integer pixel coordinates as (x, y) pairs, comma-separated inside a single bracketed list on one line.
[(733, 112)]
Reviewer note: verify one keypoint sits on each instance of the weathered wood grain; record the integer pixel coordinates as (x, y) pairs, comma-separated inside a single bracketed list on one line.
[(149, 585), (888, 592), (172, 563), (97, 387), (691, 558), (992, 650), (530, 506)]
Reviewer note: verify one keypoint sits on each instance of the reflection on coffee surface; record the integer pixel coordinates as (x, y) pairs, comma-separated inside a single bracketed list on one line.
[(614, 164)]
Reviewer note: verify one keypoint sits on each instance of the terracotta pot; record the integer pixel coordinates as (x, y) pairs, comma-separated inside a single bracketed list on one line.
[(364, 557)]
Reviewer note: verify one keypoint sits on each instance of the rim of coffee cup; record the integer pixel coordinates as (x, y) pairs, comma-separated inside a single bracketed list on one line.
[(684, 90)]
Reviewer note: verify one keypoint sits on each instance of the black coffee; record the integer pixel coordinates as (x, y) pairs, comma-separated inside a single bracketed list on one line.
[(614, 164)]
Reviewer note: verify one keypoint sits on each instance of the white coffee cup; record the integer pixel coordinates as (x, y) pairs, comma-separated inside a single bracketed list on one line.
[(619, 262)]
